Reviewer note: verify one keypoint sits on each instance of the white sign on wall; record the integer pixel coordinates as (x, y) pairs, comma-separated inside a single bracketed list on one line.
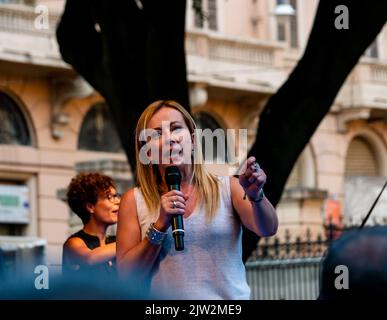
[(14, 204)]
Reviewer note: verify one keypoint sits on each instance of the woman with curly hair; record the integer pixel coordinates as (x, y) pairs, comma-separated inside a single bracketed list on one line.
[(93, 197)]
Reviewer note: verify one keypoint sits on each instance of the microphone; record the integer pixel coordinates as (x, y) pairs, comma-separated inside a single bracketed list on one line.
[(173, 180)]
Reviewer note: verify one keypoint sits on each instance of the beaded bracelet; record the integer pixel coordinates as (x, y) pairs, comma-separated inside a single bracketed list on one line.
[(155, 236)]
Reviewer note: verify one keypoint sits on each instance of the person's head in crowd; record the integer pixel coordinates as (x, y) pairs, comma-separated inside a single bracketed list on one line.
[(93, 198), (174, 141), (356, 266)]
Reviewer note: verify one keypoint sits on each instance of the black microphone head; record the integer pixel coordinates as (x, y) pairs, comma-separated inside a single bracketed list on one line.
[(172, 176)]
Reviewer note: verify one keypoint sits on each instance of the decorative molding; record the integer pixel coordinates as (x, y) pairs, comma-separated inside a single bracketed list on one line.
[(304, 193), (64, 89), (348, 115)]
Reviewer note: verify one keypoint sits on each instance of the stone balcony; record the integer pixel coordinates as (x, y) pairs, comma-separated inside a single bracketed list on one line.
[(213, 60), (234, 63), (364, 94), (22, 42)]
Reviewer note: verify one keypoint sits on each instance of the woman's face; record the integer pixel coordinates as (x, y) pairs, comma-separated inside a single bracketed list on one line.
[(171, 140), (105, 210)]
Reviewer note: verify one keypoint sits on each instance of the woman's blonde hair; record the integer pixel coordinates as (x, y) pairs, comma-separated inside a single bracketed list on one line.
[(148, 176)]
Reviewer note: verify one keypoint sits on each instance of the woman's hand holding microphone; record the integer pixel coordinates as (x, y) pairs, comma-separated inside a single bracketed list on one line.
[(171, 203)]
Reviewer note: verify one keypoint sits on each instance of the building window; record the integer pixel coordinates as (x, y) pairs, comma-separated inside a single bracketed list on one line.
[(98, 132), (293, 26), (205, 121), (198, 13), (363, 181), (360, 159), (287, 24), (13, 129), (372, 50), (212, 15), (281, 31), (205, 14)]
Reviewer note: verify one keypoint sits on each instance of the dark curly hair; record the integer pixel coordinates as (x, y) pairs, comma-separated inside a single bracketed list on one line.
[(85, 188)]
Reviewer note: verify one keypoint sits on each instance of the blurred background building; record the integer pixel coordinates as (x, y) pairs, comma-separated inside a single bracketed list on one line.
[(54, 124)]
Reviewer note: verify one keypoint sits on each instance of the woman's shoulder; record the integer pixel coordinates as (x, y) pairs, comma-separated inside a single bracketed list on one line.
[(77, 235), (75, 240), (225, 184), (230, 184), (130, 194), (128, 200), (224, 180)]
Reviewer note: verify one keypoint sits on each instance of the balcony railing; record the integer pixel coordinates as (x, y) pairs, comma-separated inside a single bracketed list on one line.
[(371, 71), (24, 39), (242, 62), (240, 52), (19, 21), (365, 90), (22, 20), (220, 48), (234, 62), (379, 73)]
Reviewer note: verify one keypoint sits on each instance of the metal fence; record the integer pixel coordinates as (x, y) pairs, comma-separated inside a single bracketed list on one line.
[(286, 279), (291, 269)]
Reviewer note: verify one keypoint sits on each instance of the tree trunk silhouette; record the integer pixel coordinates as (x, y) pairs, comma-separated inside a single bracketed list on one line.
[(138, 57), (294, 112)]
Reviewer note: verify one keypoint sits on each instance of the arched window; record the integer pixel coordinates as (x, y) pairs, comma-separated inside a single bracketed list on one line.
[(206, 121), (98, 132), (13, 128), (360, 160), (364, 178)]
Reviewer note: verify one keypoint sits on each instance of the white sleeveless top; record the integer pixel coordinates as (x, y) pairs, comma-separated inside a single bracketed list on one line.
[(210, 266)]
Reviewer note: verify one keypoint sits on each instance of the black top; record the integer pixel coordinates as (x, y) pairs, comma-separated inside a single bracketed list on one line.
[(92, 242)]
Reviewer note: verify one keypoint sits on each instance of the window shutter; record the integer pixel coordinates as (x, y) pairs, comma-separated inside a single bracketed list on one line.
[(360, 159)]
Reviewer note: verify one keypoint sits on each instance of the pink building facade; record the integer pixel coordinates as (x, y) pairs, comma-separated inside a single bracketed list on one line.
[(237, 59)]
